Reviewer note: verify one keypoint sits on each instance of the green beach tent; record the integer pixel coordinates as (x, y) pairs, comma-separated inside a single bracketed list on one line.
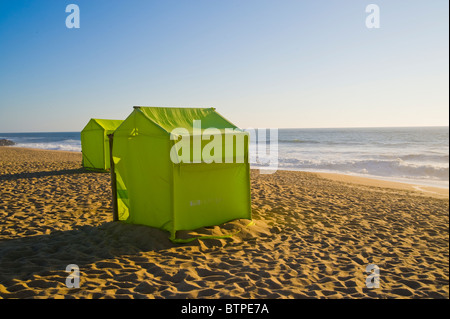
[(180, 169), (95, 143)]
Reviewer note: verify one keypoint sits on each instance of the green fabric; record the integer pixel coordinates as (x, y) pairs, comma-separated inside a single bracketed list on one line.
[(108, 125), (169, 118), (95, 143), (154, 191)]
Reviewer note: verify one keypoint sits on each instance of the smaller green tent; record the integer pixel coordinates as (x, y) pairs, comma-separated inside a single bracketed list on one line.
[(95, 143)]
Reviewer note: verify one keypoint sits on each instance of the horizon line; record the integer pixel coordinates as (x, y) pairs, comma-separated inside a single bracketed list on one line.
[(282, 128)]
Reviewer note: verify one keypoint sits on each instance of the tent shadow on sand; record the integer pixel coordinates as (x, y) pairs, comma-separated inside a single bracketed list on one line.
[(23, 258), (48, 255)]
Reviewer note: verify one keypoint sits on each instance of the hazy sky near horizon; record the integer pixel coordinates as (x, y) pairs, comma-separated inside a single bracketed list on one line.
[(261, 63)]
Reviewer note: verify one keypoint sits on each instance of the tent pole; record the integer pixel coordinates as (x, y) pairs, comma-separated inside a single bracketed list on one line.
[(113, 179)]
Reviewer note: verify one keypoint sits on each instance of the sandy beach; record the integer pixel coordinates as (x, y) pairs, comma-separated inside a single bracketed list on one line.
[(313, 237)]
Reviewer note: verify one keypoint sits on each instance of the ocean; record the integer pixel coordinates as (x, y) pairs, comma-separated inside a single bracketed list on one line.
[(61, 141), (418, 155)]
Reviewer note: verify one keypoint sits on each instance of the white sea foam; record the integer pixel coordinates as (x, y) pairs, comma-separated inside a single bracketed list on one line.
[(389, 168), (52, 146), (65, 141)]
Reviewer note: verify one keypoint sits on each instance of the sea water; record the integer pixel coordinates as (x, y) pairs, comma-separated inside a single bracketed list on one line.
[(61, 141), (417, 155), (413, 155)]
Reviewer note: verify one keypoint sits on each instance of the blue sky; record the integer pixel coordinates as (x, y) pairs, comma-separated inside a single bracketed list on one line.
[(261, 63)]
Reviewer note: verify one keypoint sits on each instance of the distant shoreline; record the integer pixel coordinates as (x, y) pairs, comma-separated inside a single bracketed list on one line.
[(43, 149)]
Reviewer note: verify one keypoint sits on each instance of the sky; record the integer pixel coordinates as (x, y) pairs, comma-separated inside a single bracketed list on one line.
[(260, 63)]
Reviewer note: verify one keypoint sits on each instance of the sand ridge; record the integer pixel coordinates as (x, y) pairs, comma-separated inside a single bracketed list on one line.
[(313, 238)]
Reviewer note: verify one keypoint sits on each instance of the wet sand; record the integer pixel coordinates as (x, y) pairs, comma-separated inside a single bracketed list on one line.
[(313, 237)]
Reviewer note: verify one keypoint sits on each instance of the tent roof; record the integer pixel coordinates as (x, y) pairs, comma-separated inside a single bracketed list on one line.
[(108, 125), (169, 118)]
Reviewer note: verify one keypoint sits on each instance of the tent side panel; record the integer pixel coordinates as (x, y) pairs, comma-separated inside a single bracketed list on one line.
[(210, 194), (92, 145), (84, 141), (106, 160), (143, 171), (109, 127)]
